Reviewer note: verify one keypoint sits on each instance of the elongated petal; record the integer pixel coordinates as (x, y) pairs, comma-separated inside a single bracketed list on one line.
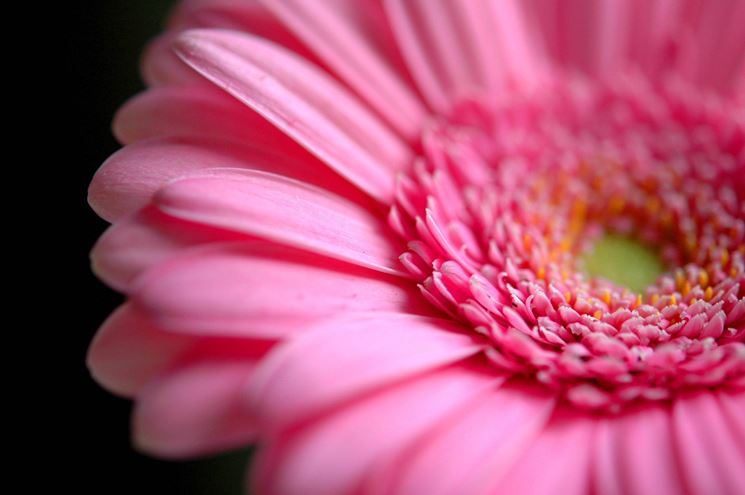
[(478, 445), (334, 32), (710, 455), (144, 239), (263, 290), (428, 68), (161, 66), (298, 465), (303, 102), (348, 356), (129, 178), (195, 410), (635, 453), (128, 351), (201, 112), (732, 404), (519, 45), (241, 15), (547, 467), (285, 211)]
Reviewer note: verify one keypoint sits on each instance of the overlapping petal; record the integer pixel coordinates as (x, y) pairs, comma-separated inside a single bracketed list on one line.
[(267, 297)]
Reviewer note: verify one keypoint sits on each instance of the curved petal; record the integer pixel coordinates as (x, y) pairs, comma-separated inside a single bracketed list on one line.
[(128, 351), (261, 289), (385, 422), (303, 102), (202, 112), (195, 410), (332, 29), (710, 455), (128, 179), (477, 445), (348, 356), (240, 15), (140, 241), (160, 66), (285, 211)]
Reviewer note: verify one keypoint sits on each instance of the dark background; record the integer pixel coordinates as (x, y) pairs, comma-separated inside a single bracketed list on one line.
[(107, 37)]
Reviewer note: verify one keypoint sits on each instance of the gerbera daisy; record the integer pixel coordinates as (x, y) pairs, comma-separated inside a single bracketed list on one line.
[(441, 247)]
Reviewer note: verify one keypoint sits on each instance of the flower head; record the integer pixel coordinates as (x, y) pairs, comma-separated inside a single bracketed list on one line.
[(431, 247)]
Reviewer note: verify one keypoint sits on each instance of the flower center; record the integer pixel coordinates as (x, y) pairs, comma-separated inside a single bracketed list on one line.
[(623, 261), (595, 235)]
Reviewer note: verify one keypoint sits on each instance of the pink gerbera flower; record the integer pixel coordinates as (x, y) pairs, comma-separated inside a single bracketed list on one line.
[(436, 247)]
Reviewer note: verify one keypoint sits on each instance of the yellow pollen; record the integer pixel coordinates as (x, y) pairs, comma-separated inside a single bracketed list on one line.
[(733, 272), (673, 300), (638, 301), (693, 301), (541, 273), (616, 204), (606, 297), (666, 219), (679, 279), (649, 184), (654, 299), (709, 293), (653, 205), (725, 258), (686, 289), (691, 244), (568, 296), (527, 242), (598, 314), (703, 278)]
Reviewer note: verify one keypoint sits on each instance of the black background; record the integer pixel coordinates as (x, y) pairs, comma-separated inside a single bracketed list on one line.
[(105, 41)]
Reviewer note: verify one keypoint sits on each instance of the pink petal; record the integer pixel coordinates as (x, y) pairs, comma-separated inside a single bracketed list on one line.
[(285, 211), (578, 23), (264, 290), (519, 44), (334, 31), (732, 404), (145, 239), (304, 103), (413, 36), (161, 66), (477, 445), (240, 15), (129, 178), (611, 36), (719, 43), (202, 112), (128, 351), (436, 41), (711, 457), (635, 453), (384, 423), (343, 358), (195, 410), (558, 461)]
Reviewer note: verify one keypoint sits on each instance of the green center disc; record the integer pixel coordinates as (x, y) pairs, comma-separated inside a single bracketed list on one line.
[(623, 261)]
